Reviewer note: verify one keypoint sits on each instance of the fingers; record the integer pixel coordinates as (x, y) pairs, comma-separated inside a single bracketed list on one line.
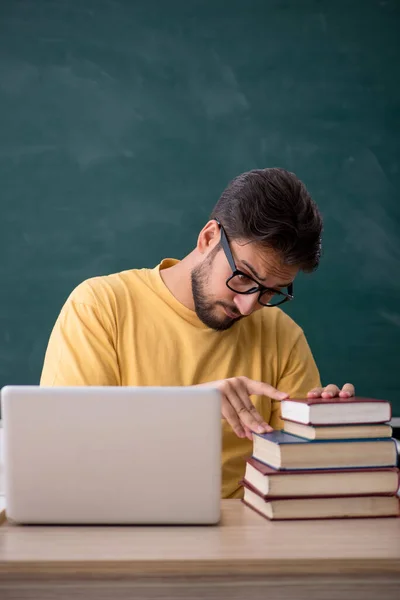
[(332, 391), (248, 432), (262, 389), (238, 409), (315, 393), (347, 391), (240, 401), (252, 413), (243, 386), (231, 416)]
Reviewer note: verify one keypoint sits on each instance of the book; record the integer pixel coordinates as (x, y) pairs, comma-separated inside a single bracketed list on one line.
[(322, 508), (318, 411), (270, 482), (338, 432), (284, 451)]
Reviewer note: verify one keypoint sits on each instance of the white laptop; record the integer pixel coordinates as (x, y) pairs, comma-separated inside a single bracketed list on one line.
[(112, 455)]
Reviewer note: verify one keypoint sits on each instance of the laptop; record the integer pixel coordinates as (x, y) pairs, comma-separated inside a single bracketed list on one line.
[(112, 455)]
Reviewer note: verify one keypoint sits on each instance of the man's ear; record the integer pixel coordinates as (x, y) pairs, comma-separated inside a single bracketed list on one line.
[(209, 237)]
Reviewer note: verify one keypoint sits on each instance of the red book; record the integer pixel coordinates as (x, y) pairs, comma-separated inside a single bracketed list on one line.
[(336, 411), (371, 431), (342, 507), (273, 483)]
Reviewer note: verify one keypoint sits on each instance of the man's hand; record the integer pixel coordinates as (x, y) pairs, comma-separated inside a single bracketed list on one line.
[(237, 407), (332, 391)]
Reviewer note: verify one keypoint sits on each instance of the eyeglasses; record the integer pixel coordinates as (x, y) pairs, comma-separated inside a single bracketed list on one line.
[(241, 283)]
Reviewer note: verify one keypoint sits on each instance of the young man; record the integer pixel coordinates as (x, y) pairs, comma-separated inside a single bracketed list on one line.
[(210, 317)]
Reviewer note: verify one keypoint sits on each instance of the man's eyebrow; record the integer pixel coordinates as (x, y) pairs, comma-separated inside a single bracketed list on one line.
[(257, 276)]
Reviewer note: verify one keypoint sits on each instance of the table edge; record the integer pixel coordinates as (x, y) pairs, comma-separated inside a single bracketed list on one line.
[(107, 569)]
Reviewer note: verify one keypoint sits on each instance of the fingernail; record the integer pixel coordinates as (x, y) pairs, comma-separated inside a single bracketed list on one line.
[(260, 429)]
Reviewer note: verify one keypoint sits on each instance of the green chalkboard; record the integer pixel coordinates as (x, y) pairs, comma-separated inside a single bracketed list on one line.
[(122, 121)]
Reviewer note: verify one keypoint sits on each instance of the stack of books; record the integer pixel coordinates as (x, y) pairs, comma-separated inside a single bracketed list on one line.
[(333, 459)]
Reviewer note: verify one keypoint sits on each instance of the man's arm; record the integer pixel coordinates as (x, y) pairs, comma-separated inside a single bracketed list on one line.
[(81, 349), (298, 378)]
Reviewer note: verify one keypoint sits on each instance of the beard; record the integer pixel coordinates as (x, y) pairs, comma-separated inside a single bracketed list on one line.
[(205, 308)]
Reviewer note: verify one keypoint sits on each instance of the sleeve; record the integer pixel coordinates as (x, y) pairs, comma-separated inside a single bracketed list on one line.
[(299, 376), (81, 349)]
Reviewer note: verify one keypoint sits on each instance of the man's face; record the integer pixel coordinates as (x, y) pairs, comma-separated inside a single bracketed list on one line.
[(215, 304)]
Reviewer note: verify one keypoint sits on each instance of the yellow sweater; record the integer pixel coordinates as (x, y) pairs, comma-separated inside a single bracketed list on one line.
[(128, 329)]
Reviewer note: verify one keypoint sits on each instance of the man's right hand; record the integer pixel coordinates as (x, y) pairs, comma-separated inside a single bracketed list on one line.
[(237, 407)]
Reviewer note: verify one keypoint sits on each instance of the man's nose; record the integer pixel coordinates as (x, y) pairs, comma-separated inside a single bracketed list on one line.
[(246, 303)]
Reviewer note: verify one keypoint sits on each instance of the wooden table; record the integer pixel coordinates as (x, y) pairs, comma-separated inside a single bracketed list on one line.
[(245, 556)]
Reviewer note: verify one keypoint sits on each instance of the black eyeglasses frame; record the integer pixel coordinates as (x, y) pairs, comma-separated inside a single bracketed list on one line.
[(258, 287)]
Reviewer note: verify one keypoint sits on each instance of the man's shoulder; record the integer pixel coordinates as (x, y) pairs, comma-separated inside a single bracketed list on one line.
[(106, 288)]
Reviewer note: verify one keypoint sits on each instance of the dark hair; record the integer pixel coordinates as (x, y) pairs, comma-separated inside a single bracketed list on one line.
[(272, 207)]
